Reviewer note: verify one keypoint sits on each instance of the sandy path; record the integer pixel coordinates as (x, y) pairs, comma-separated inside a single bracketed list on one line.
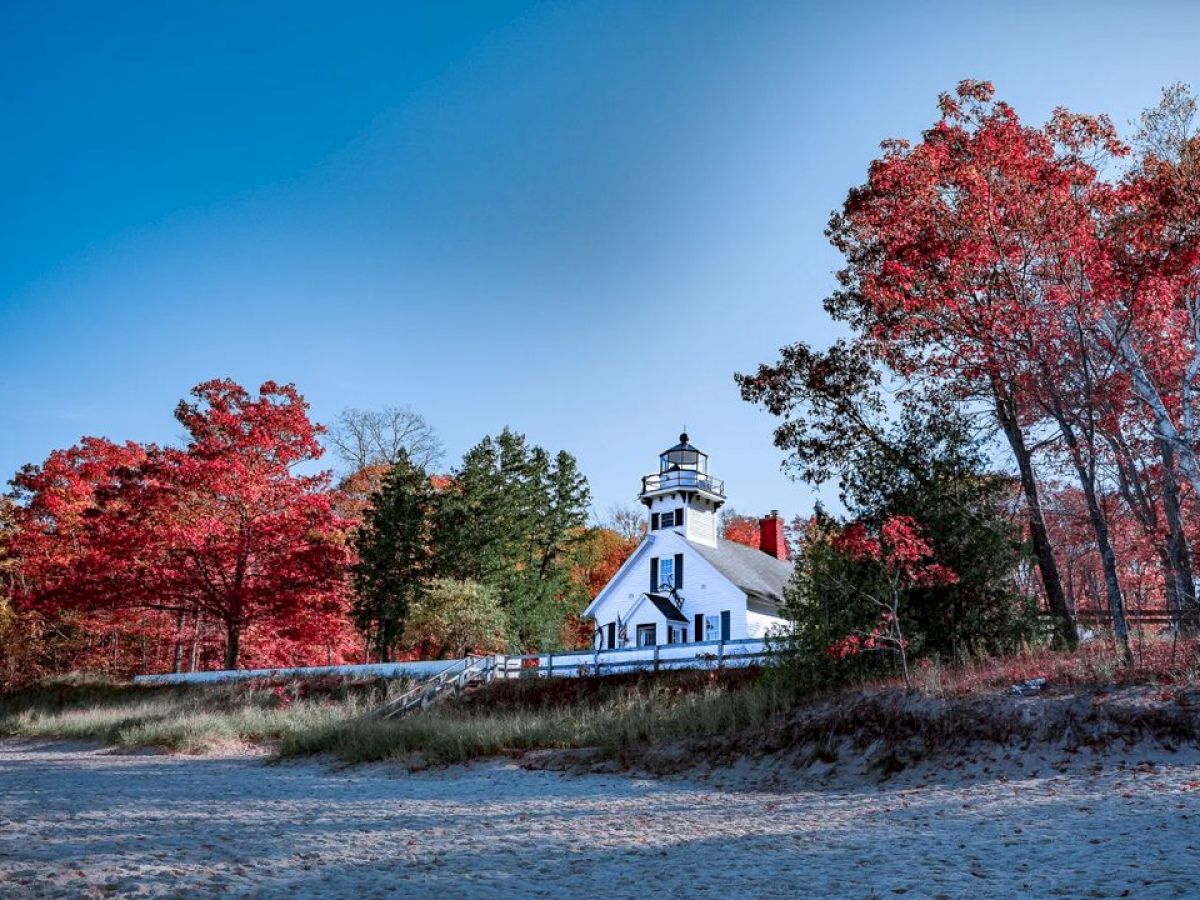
[(77, 821)]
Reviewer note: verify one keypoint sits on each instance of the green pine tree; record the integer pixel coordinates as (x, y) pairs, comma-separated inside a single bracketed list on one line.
[(395, 554), (509, 522)]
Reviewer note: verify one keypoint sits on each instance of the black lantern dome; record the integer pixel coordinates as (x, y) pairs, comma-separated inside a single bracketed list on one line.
[(683, 456), (682, 467)]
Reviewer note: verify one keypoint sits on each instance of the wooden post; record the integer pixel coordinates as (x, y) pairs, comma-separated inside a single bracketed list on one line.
[(721, 654), (656, 657), (550, 665)]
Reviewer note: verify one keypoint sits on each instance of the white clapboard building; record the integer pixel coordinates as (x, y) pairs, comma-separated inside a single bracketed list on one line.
[(683, 583)]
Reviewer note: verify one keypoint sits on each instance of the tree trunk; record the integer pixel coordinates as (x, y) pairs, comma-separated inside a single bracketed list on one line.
[(233, 637), (1187, 614), (1170, 582), (197, 633), (177, 658), (1108, 558), (1065, 633)]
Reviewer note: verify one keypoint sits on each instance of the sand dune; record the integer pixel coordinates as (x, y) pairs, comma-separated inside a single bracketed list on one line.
[(79, 821)]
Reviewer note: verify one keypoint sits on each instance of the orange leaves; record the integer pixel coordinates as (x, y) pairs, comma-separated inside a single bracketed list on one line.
[(743, 530)]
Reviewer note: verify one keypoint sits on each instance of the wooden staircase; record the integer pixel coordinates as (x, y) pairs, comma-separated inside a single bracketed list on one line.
[(452, 681)]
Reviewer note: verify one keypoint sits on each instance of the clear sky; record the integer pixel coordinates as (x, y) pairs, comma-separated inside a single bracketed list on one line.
[(575, 219)]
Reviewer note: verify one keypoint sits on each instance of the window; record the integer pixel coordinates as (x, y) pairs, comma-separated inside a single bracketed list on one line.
[(666, 573), (646, 635), (667, 519), (676, 634), (712, 628)]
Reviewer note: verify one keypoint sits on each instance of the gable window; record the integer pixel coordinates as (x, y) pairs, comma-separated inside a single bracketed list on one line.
[(646, 636), (666, 573), (667, 519)]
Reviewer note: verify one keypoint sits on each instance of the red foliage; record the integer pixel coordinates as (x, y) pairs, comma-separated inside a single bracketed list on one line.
[(743, 530), (220, 531), (901, 549)]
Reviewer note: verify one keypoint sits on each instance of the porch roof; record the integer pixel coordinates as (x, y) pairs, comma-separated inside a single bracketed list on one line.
[(669, 610)]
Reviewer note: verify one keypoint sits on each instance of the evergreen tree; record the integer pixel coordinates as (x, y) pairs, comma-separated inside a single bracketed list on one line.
[(509, 522), (395, 558), (936, 474)]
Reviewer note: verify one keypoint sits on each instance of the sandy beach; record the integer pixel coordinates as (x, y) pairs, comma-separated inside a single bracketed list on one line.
[(81, 821)]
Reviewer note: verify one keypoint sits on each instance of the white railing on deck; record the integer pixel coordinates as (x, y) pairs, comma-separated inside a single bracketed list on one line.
[(661, 657)]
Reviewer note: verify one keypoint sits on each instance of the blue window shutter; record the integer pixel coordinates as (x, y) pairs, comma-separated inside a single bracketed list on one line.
[(654, 521), (678, 570), (612, 635), (699, 627), (724, 624), (653, 574)]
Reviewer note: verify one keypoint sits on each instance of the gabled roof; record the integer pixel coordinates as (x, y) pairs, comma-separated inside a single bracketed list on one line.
[(628, 564), (759, 574)]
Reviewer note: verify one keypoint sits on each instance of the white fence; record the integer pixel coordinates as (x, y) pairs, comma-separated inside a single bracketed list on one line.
[(699, 655), (419, 670), (568, 664)]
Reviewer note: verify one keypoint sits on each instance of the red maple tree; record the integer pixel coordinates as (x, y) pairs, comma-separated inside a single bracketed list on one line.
[(223, 529)]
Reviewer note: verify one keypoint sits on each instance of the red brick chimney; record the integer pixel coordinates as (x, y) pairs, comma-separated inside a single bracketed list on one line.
[(771, 540)]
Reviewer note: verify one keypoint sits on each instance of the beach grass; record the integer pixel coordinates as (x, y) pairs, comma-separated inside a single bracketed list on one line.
[(610, 718), (186, 719)]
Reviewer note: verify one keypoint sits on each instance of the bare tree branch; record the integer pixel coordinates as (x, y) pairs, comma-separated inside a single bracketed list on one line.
[(377, 437)]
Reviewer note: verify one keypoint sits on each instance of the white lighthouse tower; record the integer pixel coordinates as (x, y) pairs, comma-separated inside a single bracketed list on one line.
[(682, 495)]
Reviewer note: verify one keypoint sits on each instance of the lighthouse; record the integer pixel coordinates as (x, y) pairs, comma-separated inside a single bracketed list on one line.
[(683, 494), (683, 583)]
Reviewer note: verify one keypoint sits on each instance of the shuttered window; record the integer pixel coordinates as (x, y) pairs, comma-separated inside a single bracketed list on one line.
[(666, 573)]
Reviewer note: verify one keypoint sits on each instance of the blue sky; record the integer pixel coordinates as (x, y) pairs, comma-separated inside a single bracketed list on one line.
[(577, 220)]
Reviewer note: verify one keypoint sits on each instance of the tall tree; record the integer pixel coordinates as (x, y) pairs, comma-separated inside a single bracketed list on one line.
[(971, 255), (222, 527), (509, 520), (364, 438), (395, 555)]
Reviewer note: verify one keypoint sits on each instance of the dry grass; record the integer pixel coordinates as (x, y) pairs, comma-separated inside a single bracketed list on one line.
[(187, 719), (1157, 661), (612, 714)]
